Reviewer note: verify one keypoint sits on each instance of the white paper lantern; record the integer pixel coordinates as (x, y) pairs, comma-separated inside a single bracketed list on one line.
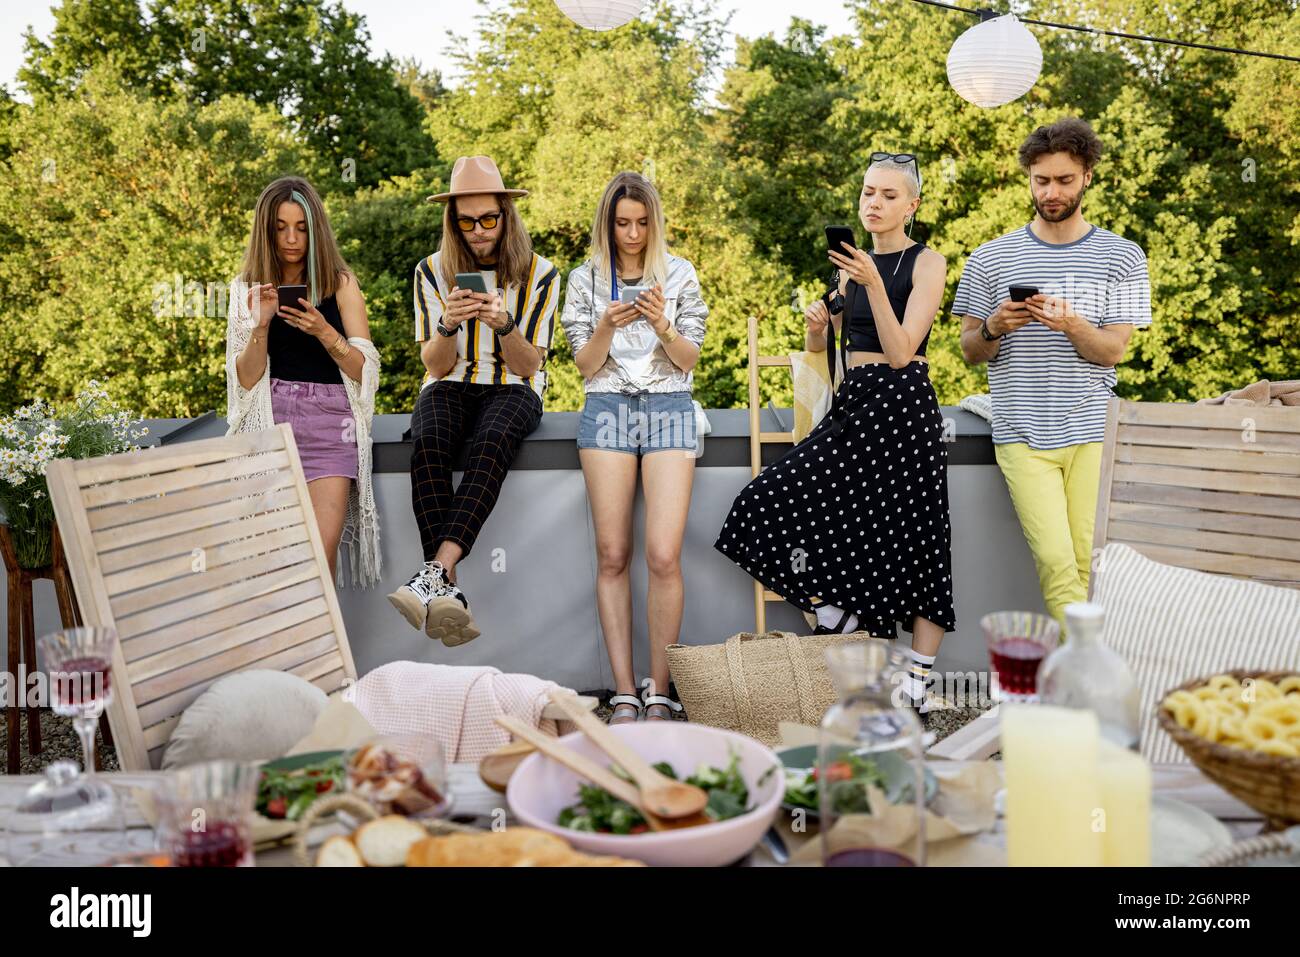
[(600, 14), (994, 62)]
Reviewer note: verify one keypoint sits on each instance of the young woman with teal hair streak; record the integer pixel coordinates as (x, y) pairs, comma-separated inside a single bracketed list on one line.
[(311, 364)]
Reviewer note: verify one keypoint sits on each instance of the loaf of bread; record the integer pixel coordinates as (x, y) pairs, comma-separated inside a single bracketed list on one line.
[(339, 851), (385, 841), (512, 847)]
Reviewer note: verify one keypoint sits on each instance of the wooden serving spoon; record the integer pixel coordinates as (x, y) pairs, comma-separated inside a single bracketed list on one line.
[(660, 794), (495, 768), (581, 765)]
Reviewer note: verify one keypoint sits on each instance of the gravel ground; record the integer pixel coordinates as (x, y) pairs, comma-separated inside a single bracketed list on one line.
[(59, 740)]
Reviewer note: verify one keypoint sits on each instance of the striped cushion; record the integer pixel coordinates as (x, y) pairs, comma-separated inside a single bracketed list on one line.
[(1174, 624)]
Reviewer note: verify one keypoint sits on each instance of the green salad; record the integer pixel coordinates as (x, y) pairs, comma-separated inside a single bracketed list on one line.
[(598, 810), (846, 783), (287, 794)]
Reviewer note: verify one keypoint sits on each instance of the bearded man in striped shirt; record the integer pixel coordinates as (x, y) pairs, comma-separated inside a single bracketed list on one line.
[(483, 352), (1051, 308)]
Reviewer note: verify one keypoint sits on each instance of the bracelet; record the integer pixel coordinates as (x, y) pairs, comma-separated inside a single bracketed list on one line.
[(508, 328), (340, 349), (668, 337)]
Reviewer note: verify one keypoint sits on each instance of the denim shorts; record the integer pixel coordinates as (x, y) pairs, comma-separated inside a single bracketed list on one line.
[(638, 423), (323, 428)]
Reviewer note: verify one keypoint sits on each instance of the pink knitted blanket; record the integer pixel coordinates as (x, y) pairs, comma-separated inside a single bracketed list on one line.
[(457, 705)]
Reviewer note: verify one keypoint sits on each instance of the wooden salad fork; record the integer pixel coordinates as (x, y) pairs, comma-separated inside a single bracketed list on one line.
[(581, 765), (660, 794)]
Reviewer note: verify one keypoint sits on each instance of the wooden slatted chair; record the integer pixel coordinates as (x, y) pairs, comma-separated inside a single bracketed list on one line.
[(1210, 487), (206, 558), (757, 439)]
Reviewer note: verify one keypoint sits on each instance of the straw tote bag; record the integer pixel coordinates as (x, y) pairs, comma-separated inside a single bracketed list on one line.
[(750, 683)]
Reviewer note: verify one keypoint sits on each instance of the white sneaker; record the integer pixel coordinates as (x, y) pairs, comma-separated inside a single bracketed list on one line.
[(430, 602), (413, 598)]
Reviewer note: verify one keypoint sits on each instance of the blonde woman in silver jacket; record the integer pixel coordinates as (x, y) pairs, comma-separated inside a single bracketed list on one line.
[(635, 319)]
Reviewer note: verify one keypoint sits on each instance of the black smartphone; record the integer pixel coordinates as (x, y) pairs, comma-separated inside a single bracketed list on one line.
[(289, 295), (1021, 293), (473, 281), (835, 235)]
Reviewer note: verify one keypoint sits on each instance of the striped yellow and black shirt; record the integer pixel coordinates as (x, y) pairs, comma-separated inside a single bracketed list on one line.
[(479, 359)]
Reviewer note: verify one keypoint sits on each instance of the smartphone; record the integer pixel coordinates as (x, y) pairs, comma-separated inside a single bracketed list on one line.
[(289, 295), (472, 281), (1021, 293), (835, 235), (628, 296)]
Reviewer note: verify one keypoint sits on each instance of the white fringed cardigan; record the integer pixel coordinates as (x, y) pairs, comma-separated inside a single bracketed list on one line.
[(249, 410)]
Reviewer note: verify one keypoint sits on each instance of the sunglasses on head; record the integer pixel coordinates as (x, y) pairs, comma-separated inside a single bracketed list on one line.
[(899, 158), (487, 221)]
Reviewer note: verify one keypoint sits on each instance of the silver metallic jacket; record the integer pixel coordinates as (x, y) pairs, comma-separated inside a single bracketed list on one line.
[(637, 361)]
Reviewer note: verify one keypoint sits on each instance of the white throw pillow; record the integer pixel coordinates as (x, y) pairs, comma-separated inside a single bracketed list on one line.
[(248, 716), (1174, 624)]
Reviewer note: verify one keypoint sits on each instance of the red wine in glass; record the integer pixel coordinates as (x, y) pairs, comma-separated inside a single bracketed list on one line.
[(1016, 662), (82, 684), (868, 857), (221, 844)]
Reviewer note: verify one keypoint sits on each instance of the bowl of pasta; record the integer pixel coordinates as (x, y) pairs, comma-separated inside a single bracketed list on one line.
[(1242, 729)]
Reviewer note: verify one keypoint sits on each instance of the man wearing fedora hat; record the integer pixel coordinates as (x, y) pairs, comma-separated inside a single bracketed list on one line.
[(484, 355)]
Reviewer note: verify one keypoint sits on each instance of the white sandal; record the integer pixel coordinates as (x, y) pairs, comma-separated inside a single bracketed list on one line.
[(625, 701), (649, 701)]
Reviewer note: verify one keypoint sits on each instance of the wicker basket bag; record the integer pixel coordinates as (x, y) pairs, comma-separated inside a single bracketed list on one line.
[(1267, 782), (750, 683)]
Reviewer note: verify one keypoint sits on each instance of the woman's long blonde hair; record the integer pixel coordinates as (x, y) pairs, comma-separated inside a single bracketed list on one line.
[(636, 187), (324, 264), (514, 248)]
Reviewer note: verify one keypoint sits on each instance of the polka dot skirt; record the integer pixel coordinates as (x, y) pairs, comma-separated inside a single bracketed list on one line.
[(856, 514)]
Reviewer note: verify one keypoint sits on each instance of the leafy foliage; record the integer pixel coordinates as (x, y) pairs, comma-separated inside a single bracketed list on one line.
[(157, 151)]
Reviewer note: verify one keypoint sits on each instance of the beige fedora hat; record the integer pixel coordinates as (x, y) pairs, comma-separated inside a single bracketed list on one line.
[(475, 175)]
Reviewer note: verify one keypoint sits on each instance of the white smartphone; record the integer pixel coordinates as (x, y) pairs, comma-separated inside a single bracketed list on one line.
[(628, 296)]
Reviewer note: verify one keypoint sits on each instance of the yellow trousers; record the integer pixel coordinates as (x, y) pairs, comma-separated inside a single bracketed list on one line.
[(1054, 492)]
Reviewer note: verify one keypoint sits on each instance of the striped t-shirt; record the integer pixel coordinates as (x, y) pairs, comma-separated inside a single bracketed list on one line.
[(1044, 393), (479, 359)]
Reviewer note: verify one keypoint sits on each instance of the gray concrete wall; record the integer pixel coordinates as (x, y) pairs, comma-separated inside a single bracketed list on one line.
[(531, 577)]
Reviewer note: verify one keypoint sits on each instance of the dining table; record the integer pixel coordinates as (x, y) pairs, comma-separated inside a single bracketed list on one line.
[(476, 804)]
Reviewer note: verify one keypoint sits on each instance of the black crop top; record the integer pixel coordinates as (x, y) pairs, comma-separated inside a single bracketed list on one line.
[(298, 356), (862, 335)]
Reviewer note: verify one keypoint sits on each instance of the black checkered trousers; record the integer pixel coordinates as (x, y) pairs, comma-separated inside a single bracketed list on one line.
[(495, 419)]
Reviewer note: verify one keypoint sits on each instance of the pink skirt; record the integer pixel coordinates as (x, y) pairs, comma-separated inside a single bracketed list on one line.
[(322, 423)]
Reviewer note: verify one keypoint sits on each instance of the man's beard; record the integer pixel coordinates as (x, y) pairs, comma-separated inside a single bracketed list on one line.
[(1064, 212)]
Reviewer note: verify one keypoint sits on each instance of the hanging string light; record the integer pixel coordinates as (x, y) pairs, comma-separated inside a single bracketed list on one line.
[(994, 62), (601, 14), (986, 63)]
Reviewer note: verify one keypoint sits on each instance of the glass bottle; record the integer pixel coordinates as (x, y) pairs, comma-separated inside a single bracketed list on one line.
[(1084, 673), (872, 784)]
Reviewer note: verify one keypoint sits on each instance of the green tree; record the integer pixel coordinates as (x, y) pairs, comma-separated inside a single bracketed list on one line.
[(563, 109), (383, 232), (310, 59), (108, 203)]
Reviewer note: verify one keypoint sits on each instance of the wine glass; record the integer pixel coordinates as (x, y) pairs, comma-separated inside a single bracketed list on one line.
[(79, 662), (1018, 642), (205, 814)]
